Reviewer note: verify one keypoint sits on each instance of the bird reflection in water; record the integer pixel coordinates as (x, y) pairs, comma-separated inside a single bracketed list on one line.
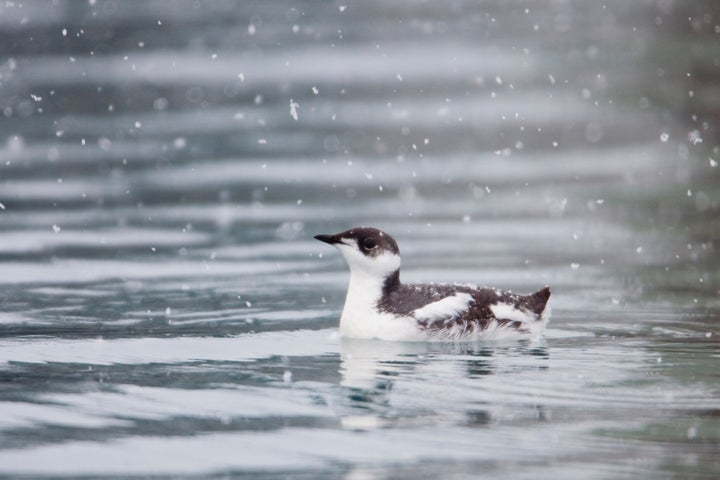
[(395, 383)]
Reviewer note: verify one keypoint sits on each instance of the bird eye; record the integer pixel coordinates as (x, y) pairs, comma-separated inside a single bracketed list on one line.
[(369, 243)]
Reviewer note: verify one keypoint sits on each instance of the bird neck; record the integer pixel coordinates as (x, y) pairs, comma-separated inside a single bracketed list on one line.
[(365, 291), (361, 316), (391, 283)]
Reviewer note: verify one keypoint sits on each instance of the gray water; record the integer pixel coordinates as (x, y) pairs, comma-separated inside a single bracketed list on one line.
[(165, 312)]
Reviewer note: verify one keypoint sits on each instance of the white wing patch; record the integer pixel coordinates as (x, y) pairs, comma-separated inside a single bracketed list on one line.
[(503, 311), (444, 309)]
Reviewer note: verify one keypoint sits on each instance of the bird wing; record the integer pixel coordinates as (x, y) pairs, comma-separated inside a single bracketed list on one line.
[(506, 311), (446, 308), (525, 309)]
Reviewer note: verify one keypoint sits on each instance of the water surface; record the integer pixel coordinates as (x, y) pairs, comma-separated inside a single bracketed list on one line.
[(165, 312)]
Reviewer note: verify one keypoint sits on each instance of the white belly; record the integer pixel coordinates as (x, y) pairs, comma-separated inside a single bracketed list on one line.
[(369, 323)]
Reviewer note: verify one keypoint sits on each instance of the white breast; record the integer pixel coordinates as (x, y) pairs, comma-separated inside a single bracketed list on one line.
[(361, 318)]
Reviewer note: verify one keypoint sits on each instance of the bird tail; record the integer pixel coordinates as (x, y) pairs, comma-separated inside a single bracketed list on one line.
[(537, 302)]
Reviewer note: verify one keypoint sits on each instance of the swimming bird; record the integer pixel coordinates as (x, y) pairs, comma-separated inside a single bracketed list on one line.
[(378, 305)]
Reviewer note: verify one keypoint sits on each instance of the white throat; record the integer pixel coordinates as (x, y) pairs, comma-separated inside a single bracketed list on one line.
[(363, 294), (361, 317)]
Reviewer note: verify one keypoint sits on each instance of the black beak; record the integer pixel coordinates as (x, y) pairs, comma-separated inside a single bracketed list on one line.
[(330, 239)]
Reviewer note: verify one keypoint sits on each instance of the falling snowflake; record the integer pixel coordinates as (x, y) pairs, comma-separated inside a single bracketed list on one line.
[(293, 109)]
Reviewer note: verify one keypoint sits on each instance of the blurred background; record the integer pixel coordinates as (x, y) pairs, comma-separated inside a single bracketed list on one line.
[(164, 165)]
